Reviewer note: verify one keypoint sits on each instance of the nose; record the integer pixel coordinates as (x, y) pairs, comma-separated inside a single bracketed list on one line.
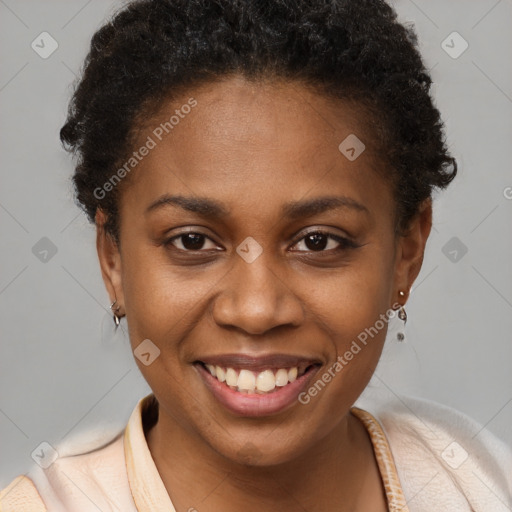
[(256, 299)]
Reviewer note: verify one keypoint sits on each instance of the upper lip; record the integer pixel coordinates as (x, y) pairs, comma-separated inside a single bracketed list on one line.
[(259, 363)]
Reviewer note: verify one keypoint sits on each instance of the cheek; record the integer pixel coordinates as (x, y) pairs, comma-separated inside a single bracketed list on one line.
[(351, 299), (161, 300), (352, 304), (358, 325)]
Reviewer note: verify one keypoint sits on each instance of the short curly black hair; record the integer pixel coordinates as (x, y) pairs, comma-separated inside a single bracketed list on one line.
[(346, 49)]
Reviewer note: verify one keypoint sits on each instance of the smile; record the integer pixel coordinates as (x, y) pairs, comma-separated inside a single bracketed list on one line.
[(256, 386), (247, 381)]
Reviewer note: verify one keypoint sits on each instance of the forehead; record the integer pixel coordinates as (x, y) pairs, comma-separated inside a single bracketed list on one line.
[(245, 141), (237, 113)]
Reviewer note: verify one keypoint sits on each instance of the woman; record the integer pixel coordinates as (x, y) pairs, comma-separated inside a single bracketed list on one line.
[(260, 176)]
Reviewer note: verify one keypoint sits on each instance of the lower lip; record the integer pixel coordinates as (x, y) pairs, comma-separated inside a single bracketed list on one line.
[(253, 404)]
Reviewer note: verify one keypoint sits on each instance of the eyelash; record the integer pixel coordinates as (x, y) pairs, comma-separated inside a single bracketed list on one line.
[(345, 243)]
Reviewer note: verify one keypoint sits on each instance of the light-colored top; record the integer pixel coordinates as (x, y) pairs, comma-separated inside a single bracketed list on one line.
[(430, 457)]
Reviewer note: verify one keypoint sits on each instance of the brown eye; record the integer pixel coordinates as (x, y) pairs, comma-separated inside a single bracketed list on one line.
[(322, 241), (316, 241), (190, 242)]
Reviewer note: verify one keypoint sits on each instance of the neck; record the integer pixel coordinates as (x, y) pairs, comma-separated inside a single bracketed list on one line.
[(338, 473)]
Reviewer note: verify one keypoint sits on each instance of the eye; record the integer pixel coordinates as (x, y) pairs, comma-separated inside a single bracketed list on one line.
[(323, 241), (189, 241), (314, 241)]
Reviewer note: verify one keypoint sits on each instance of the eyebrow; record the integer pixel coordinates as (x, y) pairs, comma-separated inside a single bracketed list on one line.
[(207, 207)]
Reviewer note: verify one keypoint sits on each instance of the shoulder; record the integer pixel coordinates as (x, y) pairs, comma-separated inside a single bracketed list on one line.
[(444, 457), (88, 473), (21, 494), (95, 480)]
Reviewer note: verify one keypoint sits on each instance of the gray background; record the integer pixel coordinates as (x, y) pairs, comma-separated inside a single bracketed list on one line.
[(62, 372)]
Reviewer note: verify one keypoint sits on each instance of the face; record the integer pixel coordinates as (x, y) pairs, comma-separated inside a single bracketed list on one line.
[(249, 242)]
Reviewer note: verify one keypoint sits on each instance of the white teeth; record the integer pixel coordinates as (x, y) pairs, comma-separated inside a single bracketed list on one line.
[(247, 381), (281, 377), (221, 374), (292, 374), (265, 381), (231, 377)]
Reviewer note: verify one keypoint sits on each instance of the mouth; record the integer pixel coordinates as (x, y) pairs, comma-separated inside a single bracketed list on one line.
[(261, 386)]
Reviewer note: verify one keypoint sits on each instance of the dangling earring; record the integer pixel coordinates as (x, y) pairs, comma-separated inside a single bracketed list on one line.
[(114, 311), (403, 316), (110, 333)]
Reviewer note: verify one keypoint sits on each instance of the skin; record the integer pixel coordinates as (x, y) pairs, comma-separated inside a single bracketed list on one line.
[(254, 147)]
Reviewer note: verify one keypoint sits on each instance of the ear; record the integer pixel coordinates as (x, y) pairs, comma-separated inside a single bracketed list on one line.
[(110, 261), (411, 249)]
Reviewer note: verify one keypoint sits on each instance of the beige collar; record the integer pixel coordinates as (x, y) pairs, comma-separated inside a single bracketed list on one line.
[(149, 492)]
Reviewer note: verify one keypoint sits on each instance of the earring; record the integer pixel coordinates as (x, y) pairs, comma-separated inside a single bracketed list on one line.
[(110, 333), (114, 311), (403, 316)]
